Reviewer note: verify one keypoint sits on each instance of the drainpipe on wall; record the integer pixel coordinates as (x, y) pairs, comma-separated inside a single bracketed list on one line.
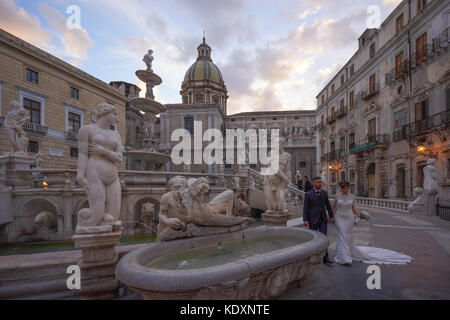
[(409, 105)]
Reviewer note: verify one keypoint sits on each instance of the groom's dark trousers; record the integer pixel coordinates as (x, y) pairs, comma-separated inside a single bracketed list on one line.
[(314, 206)]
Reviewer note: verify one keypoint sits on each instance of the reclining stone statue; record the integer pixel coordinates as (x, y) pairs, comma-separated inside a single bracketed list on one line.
[(184, 212)]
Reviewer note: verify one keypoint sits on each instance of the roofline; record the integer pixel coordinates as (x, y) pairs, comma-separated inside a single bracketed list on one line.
[(11, 40)]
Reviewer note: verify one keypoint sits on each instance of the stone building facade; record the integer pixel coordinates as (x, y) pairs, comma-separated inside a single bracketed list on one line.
[(204, 97), (59, 97), (387, 110)]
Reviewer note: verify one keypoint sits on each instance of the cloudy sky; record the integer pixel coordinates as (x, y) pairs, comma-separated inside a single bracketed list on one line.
[(273, 54)]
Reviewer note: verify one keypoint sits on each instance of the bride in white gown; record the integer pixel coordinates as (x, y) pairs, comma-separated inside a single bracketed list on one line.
[(344, 212)]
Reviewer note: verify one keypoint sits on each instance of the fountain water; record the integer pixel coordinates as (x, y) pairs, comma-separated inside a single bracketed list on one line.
[(150, 108)]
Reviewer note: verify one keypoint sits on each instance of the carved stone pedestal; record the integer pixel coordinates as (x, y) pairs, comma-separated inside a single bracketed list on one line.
[(97, 264), (275, 218), (15, 169)]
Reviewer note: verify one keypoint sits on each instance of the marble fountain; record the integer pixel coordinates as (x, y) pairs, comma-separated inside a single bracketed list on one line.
[(150, 108), (203, 252)]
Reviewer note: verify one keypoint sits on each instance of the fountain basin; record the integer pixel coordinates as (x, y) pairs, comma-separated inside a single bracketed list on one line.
[(148, 105), (151, 272)]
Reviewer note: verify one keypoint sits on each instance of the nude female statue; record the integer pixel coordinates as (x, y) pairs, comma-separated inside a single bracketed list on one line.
[(100, 148)]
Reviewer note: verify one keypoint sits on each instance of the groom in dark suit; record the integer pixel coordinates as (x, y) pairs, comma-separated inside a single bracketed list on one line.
[(314, 214)]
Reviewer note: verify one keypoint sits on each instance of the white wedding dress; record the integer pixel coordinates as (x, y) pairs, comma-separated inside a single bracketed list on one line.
[(346, 249)]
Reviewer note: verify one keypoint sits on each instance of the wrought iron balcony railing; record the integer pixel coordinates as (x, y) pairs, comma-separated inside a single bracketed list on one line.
[(331, 118), (397, 73), (422, 127), (341, 112), (399, 134), (370, 142), (367, 94)]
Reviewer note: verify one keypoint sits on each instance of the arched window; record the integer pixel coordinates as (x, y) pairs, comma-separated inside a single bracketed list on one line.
[(199, 98), (137, 132), (216, 99)]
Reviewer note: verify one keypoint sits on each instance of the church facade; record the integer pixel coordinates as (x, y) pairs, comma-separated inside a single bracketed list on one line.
[(204, 98)]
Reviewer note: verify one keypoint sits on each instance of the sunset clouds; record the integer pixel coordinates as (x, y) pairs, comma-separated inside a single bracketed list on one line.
[(274, 55)]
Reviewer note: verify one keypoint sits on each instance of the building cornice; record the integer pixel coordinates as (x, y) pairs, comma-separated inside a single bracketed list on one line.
[(27, 48)]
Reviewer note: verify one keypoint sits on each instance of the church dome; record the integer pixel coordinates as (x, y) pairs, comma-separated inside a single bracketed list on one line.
[(204, 69)]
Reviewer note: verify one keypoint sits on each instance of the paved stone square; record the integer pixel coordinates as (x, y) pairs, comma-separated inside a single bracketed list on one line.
[(426, 239)]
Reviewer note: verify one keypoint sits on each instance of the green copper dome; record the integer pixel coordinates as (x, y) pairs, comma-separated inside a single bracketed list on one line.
[(204, 69)]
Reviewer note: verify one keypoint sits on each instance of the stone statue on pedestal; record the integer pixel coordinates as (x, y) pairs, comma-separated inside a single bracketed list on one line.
[(100, 149), (15, 119), (148, 59), (430, 185), (275, 185)]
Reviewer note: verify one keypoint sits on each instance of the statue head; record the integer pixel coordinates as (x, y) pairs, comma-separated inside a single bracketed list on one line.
[(198, 186), (431, 161), (177, 183), (106, 110), (15, 105)]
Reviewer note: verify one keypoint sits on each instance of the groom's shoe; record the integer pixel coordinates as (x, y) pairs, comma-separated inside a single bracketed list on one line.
[(327, 261)]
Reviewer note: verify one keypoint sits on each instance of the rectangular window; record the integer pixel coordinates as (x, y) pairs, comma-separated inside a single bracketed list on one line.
[(342, 106), (399, 119), (342, 80), (421, 48), (372, 50), (74, 93), (323, 99), (32, 76), (372, 128), (421, 4), (372, 83), (189, 124), (399, 23), (74, 122), (302, 165), (332, 88), (342, 143), (421, 110), (448, 168), (352, 69), (447, 98), (352, 99), (351, 140), (399, 65), (333, 177), (33, 146), (74, 152), (34, 110), (322, 120)]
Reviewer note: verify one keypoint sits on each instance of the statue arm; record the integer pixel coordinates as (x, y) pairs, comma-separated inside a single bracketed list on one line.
[(83, 155), (114, 156)]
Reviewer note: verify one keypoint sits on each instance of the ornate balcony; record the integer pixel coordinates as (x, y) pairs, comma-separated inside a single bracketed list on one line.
[(370, 142), (397, 73), (35, 127), (341, 112), (333, 155), (367, 94), (399, 134), (70, 135), (436, 122), (332, 118)]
